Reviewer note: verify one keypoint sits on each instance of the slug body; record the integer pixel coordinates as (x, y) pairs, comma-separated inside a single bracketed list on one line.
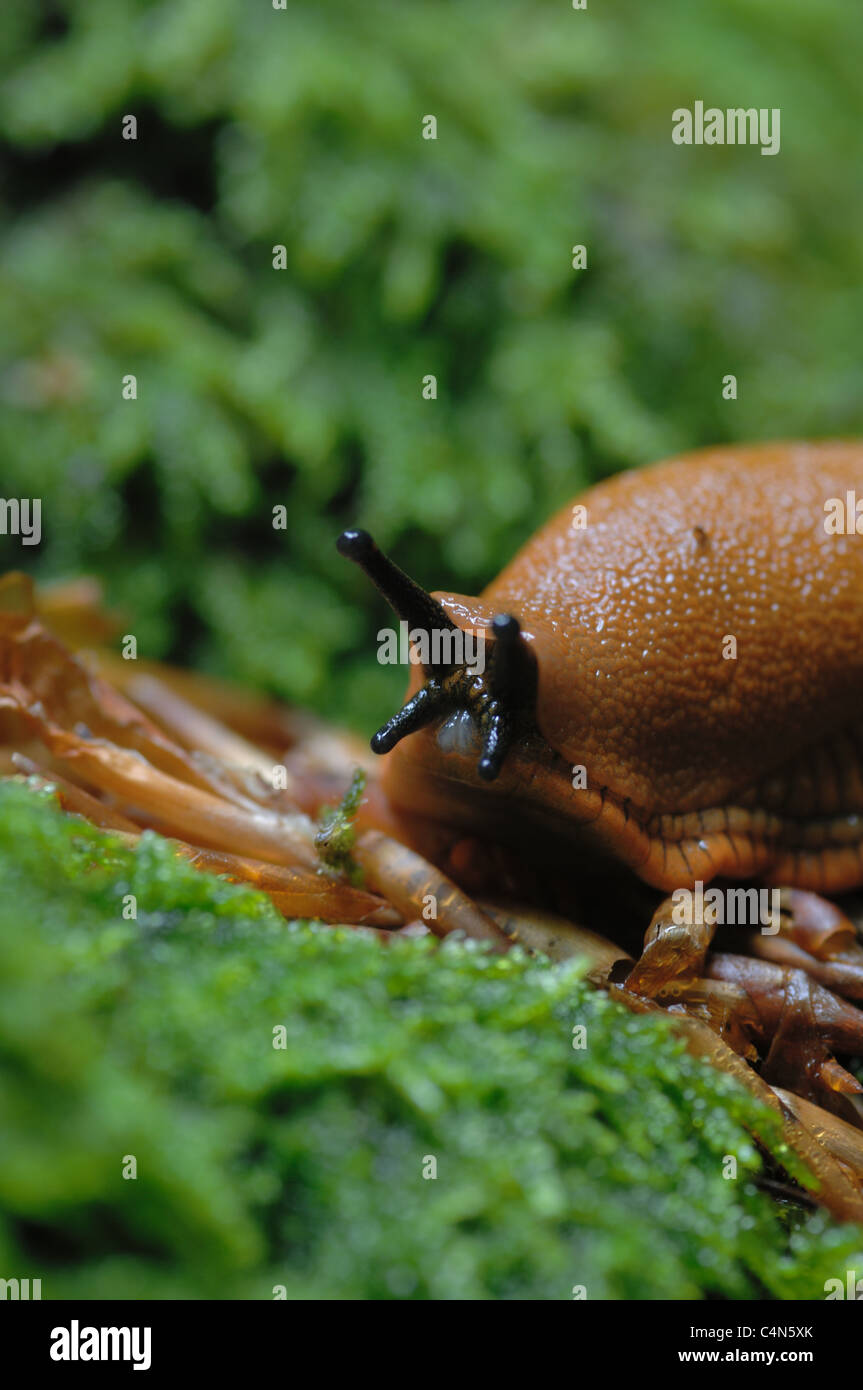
[(698, 701)]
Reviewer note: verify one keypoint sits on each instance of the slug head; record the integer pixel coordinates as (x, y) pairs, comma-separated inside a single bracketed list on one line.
[(482, 765), (494, 698)]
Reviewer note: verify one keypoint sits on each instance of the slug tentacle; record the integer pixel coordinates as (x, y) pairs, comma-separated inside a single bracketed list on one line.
[(495, 698), (428, 703), (512, 679), (407, 599)]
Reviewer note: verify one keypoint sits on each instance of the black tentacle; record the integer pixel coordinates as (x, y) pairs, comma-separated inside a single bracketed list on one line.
[(407, 599), (429, 702)]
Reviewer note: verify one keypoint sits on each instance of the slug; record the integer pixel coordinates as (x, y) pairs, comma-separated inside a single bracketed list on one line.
[(672, 679)]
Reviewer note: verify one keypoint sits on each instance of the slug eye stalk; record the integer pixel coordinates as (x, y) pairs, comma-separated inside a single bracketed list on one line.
[(494, 698)]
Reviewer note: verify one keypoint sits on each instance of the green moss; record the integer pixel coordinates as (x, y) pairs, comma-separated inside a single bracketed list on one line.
[(335, 838), (302, 1164)]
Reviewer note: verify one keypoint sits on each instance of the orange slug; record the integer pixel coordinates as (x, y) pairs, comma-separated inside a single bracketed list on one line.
[(673, 673)]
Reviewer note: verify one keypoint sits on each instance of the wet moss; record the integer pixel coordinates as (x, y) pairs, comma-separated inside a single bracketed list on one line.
[(287, 1090)]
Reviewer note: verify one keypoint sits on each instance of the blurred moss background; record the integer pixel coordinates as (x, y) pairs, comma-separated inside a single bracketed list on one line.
[(256, 387)]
